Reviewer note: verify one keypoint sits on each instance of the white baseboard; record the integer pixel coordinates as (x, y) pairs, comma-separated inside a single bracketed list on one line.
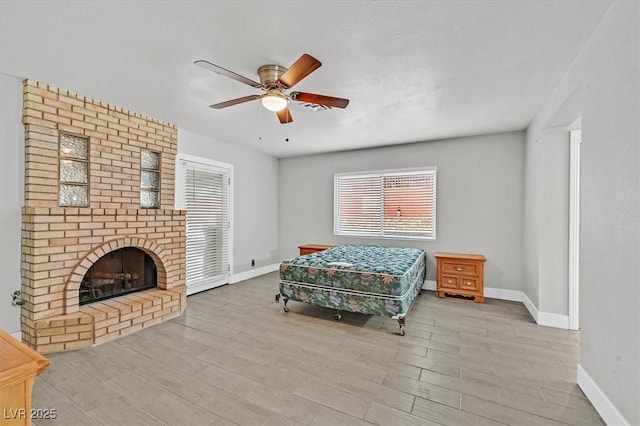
[(502, 294), (17, 335), (493, 293), (252, 273), (429, 285), (553, 320), (602, 404), (530, 306), (545, 318), (541, 318), (599, 400)]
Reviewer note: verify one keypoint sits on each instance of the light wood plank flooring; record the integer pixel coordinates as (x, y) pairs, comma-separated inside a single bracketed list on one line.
[(235, 357)]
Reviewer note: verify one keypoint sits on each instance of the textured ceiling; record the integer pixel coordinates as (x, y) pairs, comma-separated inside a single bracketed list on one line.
[(414, 71)]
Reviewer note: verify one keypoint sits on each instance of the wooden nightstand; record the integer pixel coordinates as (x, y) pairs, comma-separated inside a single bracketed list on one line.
[(461, 276), (312, 248), (19, 365)]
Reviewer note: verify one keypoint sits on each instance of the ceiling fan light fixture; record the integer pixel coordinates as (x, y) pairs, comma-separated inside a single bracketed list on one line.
[(274, 101), (275, 80)]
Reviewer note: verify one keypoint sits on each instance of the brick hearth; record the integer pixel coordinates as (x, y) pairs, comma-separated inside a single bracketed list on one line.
[(59, 244)]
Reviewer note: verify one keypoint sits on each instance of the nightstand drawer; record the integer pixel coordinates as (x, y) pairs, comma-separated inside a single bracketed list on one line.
[(467, 283), (458, 267), (449, 281)]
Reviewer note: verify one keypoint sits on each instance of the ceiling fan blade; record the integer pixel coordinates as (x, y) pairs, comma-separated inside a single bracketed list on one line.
[(313, 98), (225, 72), (284, 116), (301, 68), (234, 102)]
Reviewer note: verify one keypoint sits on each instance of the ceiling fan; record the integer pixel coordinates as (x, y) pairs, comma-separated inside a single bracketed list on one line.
[(275, 80)]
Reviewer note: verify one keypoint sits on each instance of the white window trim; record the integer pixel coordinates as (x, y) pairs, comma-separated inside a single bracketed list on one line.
[(384, 172)]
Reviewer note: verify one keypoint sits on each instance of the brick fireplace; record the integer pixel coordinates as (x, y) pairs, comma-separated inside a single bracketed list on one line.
[(61, 243)]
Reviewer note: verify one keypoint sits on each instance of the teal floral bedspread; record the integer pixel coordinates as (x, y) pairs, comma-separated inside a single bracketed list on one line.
[(370, 269), (374, 280)]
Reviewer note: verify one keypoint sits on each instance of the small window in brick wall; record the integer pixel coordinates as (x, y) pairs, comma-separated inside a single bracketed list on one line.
[(149, 180), (74, 171)]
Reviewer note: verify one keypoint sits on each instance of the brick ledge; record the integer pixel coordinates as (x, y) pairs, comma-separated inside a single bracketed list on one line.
[(99, 322)]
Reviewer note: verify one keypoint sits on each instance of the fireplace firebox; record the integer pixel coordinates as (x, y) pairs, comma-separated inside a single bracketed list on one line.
[(122, 271)]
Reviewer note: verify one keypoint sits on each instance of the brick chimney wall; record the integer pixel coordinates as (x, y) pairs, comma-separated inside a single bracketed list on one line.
[(59, 244)]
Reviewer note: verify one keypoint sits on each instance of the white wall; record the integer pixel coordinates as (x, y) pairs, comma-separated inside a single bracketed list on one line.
[(554, 217), (603, 87), (255, 198), (479, 199), (11, 197), (531, 219), (546, 219)]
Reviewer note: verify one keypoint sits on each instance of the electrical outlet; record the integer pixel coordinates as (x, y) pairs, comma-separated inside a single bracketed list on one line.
[(253, 262)]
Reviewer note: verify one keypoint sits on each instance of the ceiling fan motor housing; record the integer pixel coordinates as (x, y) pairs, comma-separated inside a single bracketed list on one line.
[(270, 74)]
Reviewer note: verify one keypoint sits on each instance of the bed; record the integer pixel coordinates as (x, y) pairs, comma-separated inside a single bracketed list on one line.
[(368, 279)]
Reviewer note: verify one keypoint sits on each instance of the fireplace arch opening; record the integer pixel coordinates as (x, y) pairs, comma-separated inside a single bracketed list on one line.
[(119, 272)]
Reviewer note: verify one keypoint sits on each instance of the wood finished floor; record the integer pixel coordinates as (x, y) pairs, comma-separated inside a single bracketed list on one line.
[(235, 357)]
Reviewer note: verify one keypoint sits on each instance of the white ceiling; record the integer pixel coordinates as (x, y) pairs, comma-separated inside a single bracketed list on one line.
[(414, 71)]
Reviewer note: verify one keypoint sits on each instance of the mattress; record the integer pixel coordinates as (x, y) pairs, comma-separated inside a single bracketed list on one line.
[(373, 280), (366, 268)]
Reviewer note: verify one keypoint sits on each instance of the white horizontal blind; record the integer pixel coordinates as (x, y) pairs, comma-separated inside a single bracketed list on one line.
[(358, 205), (205, 197), (390, 204)]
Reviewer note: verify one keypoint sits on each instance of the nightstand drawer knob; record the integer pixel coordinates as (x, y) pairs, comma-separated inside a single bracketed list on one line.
[(469, 283), (458, 268), (449, 281)]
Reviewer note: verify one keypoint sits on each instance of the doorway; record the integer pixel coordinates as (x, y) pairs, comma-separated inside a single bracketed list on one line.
[(204, 191)]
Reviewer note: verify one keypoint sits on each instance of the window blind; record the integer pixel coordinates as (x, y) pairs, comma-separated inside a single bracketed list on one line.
[(205, 197), (390, 204)]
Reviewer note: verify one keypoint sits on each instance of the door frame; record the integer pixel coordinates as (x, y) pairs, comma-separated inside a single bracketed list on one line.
[(575, 137), (179, 187)]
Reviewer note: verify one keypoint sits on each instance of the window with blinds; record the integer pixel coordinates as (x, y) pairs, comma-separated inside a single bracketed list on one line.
[(204, 194), (390, 204)]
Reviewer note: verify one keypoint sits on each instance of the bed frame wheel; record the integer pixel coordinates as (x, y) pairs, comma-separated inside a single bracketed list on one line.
[(337, 316), (286, 308), (401, 323)]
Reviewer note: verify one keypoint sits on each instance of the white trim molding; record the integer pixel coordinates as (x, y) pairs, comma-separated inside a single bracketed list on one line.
[(252, 273), (601, 403), (553, 320), (599, 400), (502, 294), (429, 285), (545, 318), (541, 318), (227, 171), (574, 229), (492, 293)]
